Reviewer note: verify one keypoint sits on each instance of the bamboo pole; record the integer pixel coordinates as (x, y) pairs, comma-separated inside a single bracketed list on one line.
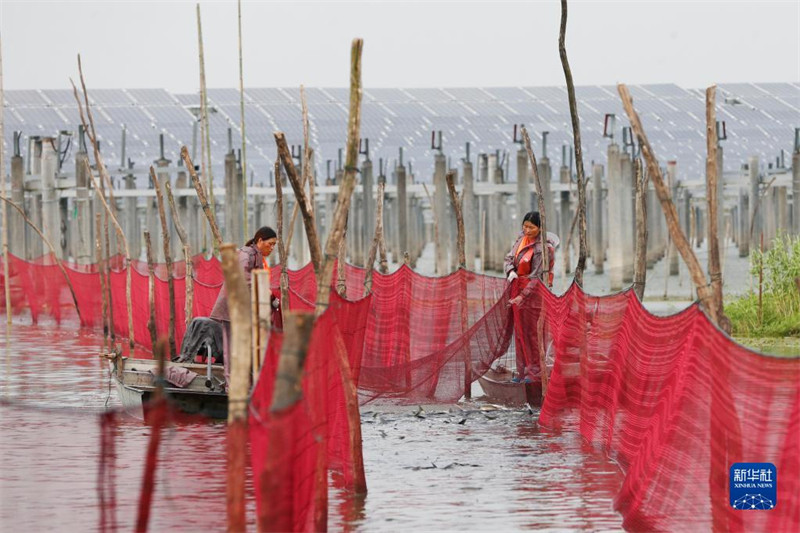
[(207, 171), (167, 259), (261, 310), (373, 249), (282, 247), (3, 192), (241, 107), (458, 205), (348, 181), (50, 247), (300, 199), (111, 326), (202, 196), (640, 261), (151, 289), (712, 175), (240, 353), (187, 255), (576, 133), (101, 270), (670, 213)]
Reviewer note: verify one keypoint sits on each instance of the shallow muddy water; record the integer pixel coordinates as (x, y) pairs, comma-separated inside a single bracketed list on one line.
[(466, 467)]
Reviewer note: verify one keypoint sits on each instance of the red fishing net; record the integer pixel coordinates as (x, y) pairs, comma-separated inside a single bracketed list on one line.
[(671, 399)]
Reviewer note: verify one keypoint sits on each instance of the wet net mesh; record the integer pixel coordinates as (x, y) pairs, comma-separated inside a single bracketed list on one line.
[(671, 399)]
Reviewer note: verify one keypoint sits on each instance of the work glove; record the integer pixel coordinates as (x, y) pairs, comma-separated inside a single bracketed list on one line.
[(276, 303), (512, 276)]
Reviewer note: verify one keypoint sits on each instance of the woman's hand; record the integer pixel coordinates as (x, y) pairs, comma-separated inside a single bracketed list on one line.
[(512, 276), (516, 300)]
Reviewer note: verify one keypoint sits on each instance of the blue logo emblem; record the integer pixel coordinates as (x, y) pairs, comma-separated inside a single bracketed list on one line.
[(754, 486)]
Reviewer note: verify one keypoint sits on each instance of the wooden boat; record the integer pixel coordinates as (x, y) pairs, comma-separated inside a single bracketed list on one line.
[(136, 383), (498, 388)]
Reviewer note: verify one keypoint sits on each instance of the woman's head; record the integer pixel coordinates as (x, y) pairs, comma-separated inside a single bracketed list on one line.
[(264, 240), (531, 223)]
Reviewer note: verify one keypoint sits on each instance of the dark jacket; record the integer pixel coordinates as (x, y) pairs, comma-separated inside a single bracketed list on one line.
[(249, 259)]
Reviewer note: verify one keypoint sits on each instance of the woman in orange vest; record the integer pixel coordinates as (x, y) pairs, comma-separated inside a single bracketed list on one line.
[(524, 263)]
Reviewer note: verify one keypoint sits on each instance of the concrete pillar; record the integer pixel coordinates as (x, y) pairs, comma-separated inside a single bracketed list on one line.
[(130, 219), (234, 201), (615, 221), (744, 223), (628, 228), (51, 224), (471, 222), (596, 231), (16, 224), (796, 193), (545, 177), (367, 229), (440, 199), (402, 210), (672, 183), (781, 209), (523, 184), (756, 212), (720, 199), (565, 220), (33, 204), (84, 228), (182, 207)]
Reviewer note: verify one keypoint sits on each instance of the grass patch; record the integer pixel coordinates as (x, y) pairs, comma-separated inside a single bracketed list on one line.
[(780, 298)]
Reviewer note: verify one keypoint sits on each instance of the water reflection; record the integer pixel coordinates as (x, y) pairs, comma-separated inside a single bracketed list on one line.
[(446, 469)]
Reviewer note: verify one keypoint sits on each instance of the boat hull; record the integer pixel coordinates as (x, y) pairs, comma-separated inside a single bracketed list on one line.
[(498, 388)]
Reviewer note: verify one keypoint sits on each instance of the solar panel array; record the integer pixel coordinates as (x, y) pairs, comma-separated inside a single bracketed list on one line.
[(760, 120)]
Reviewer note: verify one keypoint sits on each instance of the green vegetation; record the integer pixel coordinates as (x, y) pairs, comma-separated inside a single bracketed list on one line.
[(780, 298)]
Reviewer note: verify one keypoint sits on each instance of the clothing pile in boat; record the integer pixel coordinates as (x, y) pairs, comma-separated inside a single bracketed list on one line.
[(202, 332)]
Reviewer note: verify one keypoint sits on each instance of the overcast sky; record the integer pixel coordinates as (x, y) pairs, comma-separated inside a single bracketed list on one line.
[(407, 44)]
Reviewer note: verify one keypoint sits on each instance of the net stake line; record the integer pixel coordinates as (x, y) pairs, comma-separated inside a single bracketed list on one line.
[(151, 289)]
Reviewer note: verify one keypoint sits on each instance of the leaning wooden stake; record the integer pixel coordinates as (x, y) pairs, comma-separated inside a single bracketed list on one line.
[(576, 134), (348, 181), (341, 267), (297, 328), (112, 329), (167, 259), (283, 251), (373, 248), (712, 175), (458, 204), (670, 213), (640, 261), (151, 289), (239, 353), (50, 247), (3, 192), (104, 178), (198, 187), (187, 255), (301, 199), (101, 270)]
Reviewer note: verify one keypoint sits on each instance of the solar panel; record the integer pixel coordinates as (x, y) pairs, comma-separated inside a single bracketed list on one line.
[(24, 98), (58, 97), (110, 97), (151, 96), (269, 96)]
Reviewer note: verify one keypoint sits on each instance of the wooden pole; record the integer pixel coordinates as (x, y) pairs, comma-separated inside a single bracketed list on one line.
[(239, 353), (101, 270), (187, 255), (52, 251), (297, 328), (348, 181), (167, 259), (640, 262), (458, 206), (3, 192), (207, 171), (353, 417), (283, 249), (576, 133), (300, 199), (542, 214), (712, 175), (670, 213), (202, 197), (341, 267), (111, 327), (241, 108), (373, 249), (151, 289)]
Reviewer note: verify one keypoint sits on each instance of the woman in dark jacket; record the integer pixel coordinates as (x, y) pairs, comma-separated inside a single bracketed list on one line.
[(524, 263)]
